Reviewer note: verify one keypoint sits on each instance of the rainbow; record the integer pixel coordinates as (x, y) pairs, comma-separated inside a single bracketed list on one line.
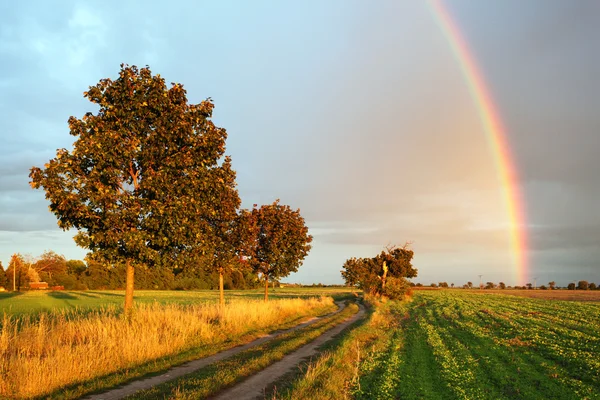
[(494, 131)]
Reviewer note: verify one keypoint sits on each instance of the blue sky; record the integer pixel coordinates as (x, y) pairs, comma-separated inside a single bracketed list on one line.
[(355, 112)]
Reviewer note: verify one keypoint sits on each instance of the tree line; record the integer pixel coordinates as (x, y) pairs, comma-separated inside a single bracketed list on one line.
[(58, 272), (148, 187), (581, 285)]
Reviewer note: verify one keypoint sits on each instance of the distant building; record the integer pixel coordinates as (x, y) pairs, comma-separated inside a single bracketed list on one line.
[(38, 285)]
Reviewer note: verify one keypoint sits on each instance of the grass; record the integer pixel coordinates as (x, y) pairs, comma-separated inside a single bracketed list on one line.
[(335, 374), (35, 302), (462, 345), (64, 354), (220, 375)]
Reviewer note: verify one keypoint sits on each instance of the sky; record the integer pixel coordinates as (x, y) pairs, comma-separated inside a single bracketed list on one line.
[(355, 112)]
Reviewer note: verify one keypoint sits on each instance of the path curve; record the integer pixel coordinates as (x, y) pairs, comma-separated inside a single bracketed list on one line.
[(254, 387), (132, 387)]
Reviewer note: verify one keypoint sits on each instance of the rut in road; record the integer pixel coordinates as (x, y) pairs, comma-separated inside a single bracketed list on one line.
[(192, 366), (254, 386)]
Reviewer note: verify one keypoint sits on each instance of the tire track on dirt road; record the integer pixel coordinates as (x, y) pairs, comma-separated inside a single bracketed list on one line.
[(254, 386), (132, 387)]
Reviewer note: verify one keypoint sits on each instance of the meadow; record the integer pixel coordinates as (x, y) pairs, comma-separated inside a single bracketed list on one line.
[(454, 344), (33, 302), (85, 342)]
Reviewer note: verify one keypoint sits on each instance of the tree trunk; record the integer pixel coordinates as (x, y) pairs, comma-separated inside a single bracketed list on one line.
[(384, 276), (221, 292), (266, 288), (14, 278), (129, 286)]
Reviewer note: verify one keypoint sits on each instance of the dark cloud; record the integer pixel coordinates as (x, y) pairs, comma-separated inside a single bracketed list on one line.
[(362, 119)]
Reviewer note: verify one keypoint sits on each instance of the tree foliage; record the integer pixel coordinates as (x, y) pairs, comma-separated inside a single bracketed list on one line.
[(147, 182), (275, 240), (49, 264), (373, 274), (18, 272), (583, 285), (4, 281)]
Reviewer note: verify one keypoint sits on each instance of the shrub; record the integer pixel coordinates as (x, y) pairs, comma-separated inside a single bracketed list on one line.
[(397, 288)]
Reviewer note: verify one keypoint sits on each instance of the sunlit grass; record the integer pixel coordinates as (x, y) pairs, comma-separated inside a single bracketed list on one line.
[(33, 302), (41, 354)]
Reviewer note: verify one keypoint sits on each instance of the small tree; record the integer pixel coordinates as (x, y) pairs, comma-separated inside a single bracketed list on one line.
[(144, 184), (489, 285), (552, 285), (48, 264), (397, 288), (372, 274), (593, 286), (583, 285), (18, 272), (3, 278), (76, 267), (276, 242), (529, 286), (362, 273), (502, 285), (571, 286), (470, 285)]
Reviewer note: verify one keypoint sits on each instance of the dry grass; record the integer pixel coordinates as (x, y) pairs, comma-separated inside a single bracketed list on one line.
[(38, 356)]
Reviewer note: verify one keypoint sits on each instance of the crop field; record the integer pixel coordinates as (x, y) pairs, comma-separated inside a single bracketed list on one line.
[(464, 345)]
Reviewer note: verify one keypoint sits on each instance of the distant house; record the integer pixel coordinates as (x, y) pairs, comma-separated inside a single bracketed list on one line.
[(38, 285)]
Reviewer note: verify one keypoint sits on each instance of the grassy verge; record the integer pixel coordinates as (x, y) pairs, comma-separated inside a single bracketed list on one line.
[(52, 356), (336, 373), (220, 375)]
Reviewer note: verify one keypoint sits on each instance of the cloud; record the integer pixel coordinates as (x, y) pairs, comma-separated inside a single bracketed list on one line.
[(361, 119)]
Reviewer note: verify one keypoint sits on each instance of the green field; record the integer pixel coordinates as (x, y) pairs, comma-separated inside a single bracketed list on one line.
[(463, 345), (32, 302)]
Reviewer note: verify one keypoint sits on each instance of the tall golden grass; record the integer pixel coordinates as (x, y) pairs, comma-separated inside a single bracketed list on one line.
[(41, 355)]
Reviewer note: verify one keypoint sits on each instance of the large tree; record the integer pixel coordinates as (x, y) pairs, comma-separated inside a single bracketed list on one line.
[(147, 177), (275, 241), (373, 275)]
